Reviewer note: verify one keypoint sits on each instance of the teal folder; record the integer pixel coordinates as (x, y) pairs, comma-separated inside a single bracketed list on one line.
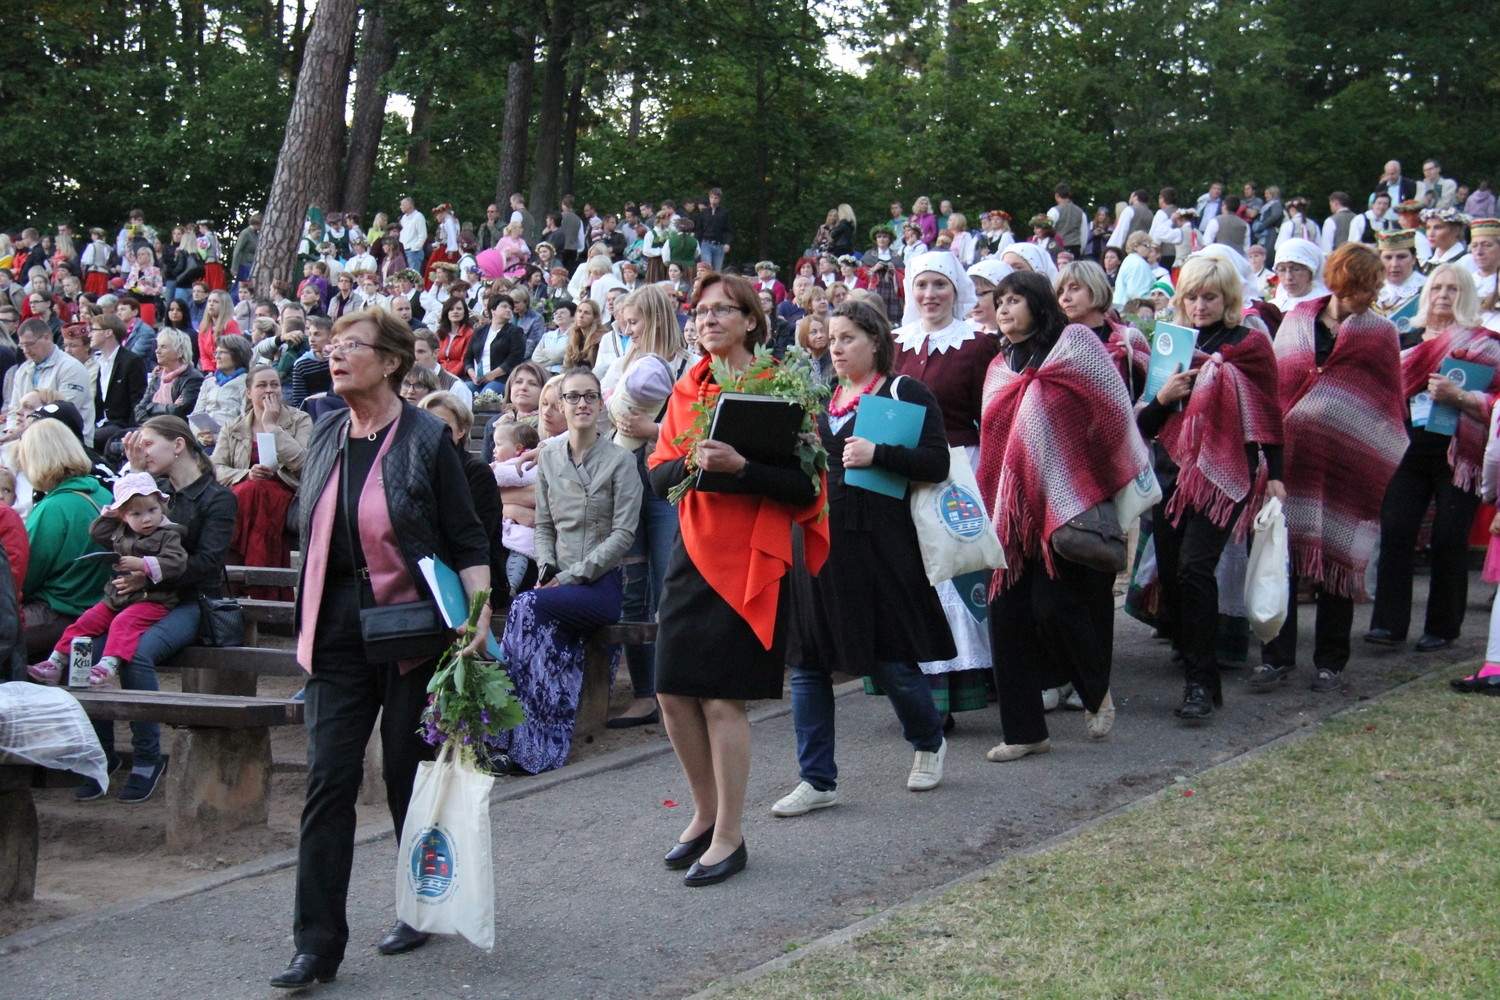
[(443, 580), (1467, 376), (885, 421), (1171, 352)]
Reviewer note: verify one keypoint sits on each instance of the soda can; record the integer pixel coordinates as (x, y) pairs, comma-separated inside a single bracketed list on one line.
[(80, 662)]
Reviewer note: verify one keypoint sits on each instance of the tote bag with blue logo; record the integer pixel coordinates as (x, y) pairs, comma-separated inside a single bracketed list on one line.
[(445, 881), (953, 529)]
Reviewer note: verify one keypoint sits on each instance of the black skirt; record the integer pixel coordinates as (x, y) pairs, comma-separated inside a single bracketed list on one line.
[(704, 649)]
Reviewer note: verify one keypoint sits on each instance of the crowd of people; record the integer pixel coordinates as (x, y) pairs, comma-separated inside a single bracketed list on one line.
[(150, 414)]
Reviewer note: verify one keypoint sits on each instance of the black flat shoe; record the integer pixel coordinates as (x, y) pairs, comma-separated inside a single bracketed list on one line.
[(1198, 703), (1382, 637), (630, 721), (1477, 685), (305, 970), (1268, 675), (402, 939), (700, 874), (949, 723), (683, 855), (1432, 643)]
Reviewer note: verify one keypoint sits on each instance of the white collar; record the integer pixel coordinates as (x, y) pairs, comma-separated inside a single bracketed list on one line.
[(953, 336)]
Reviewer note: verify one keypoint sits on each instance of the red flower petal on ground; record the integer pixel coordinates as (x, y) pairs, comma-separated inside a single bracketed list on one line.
[(669, 803), (1187, 793)]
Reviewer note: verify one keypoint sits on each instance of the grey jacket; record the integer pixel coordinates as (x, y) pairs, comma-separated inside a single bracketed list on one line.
[(586, 514)]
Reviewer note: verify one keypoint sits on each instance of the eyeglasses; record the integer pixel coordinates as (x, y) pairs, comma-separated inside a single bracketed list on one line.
[(718, 312), (574, 398), (349, 347)]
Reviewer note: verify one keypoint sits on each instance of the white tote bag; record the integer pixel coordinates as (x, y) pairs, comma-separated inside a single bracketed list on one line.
[(1266, 583), (444, 876), (953, 528), (1137, 496)]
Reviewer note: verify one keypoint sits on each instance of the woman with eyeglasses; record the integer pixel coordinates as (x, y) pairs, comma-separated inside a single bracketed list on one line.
[(722, 622), (588, 502), (382, 487)]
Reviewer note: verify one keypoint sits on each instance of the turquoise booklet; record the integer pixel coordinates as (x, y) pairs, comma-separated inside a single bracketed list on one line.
[(1469, 377), (885, 421), (1171, 352), (445, 585)]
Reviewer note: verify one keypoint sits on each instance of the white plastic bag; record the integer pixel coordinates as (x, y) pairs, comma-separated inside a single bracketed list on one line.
[(953, 529), (46, 726), (444, 876), (1266, 583)]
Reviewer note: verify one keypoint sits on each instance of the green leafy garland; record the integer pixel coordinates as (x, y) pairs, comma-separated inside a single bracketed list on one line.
[(793, 378), (469, 698)]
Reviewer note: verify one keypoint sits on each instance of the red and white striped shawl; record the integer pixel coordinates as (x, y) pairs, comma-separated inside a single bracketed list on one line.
[(1233, 403), (1131, 353), (1481, 346), (1054, 441), (1345, 436)]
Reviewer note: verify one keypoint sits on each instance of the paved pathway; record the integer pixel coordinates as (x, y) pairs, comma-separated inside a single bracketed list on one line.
[(585, 908)]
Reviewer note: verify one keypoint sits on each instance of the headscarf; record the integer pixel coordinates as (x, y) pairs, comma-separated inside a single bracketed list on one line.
[(1040, 260), (991, 269), (944, 263), (1310, 256)]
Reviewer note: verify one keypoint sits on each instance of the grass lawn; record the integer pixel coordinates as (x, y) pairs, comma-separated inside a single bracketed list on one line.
[(1363, 861)]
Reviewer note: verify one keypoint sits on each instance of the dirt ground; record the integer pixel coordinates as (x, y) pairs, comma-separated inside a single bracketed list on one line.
[(96, 853)]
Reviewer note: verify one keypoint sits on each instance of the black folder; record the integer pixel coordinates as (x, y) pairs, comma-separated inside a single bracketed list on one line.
[(761, 428)]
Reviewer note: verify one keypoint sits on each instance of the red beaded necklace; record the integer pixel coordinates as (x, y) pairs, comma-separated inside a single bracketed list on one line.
[(853, 404)]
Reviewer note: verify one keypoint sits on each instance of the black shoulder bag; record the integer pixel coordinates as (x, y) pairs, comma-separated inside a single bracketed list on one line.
[(414, 630)]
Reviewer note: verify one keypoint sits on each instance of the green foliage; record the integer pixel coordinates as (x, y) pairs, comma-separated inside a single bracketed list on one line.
[(469, 698)]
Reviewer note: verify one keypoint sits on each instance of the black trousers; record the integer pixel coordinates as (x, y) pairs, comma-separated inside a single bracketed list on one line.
[(1419, 479), (1040, 628), (1187, 555), (343, 697), (1330, 635)]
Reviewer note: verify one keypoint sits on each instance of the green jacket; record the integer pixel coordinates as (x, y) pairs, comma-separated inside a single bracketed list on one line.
[(59, 532)]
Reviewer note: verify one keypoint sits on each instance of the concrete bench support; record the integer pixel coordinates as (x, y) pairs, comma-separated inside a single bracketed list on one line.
[(219, 780)]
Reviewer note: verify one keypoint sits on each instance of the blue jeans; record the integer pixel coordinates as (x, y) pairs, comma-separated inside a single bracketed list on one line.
[(414, 260), (645, 571), (812, 716), (713, 254), (161, 641)]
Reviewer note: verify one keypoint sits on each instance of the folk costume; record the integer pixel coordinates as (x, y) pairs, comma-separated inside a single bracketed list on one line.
[(1342, 421), (1058, 438), (1433, 466), (1208, 462)]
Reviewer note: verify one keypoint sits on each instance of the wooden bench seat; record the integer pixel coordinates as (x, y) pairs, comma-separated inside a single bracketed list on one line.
[(219, 776)]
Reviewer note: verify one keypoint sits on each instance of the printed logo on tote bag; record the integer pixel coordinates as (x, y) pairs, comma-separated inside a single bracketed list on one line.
[(432, 864), (960, 512)]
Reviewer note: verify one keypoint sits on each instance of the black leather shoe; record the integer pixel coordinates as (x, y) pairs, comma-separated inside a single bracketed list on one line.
[(1382, 637), (630, 721), (1432, 643), (305, 970), (701, 874), (1268, 675), (1197, 703), (402, 939), (683, 855), (1477, 685)]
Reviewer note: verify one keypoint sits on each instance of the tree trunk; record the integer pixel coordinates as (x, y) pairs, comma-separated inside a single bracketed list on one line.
[(328, 183), (513, 130), (419, 153), (377, 56), (762, 165), (554, 97), (571, 127), (637, 96), (317, 110)]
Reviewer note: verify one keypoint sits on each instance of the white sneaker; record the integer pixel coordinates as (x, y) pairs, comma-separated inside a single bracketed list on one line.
[(1015, 751), (1051, 698), (804, 798), (1074, 700), (927, 769), (1102, 721)]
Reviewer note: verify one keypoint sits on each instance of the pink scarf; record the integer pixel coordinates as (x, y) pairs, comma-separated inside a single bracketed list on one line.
[(163, 392), (1466, 453), (389, 577)]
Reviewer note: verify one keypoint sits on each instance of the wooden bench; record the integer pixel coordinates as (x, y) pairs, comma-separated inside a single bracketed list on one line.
[(19, 837), (220, 773)]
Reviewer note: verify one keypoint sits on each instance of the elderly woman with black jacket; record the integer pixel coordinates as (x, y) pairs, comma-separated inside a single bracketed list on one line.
[(172, 387), (382, 487)]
